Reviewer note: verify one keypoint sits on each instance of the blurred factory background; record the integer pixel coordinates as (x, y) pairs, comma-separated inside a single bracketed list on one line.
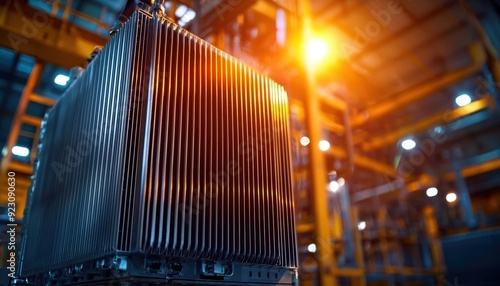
[(395, 121)]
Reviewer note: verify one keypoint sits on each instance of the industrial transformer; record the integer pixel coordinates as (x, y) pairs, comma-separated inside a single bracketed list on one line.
[(166, 161)]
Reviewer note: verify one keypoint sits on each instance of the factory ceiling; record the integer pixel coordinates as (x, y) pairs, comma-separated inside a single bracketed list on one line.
[(400, 64)]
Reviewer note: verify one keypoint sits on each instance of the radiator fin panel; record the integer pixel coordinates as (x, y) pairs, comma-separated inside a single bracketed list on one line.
[(188, 157)]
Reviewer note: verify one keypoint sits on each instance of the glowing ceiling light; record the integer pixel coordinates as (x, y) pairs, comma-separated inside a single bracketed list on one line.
[(361, 225), (334, 186), (304, 141), (463, 99), (408, 144), (20, 151), (188, 16), (312, 248), (181, 10), (324, 145), (316, 50), (61, 79), (431, 192), (451, 197)]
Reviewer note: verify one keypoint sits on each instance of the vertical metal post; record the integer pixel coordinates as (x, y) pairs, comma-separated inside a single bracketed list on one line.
[(431, 227), (492, 58), (67, 10), (488, 85), (494, 66), (358, 249), (157, 7), (196, 20), (33, 79), (463, 196), (351, 237), (173, 7), (55, 8), (345, 212), (325, 254), (102, 19), (384, 244), (34, 146)]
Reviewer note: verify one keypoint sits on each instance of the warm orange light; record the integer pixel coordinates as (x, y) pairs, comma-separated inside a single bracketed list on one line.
[(316, 50)]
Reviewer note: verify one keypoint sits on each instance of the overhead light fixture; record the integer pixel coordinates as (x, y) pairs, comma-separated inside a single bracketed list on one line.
[(188, 16), (432, 192), (463, 99), (451, 197), (181, 10), (61, 79), (312, 248), (361, 225), (408, 144), (304, 141), (334, 186), (324, 145), (20, 151), (316, 50)]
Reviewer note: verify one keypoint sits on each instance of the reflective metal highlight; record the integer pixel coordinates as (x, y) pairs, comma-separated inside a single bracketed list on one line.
[(166, 159)]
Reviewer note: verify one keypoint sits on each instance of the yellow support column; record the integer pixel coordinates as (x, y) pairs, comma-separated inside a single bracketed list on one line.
[(325, 254), (432, 230), (358, 250), (19, 119)]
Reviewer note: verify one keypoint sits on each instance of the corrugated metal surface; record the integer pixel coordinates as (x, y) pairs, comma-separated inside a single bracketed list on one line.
[(164, 146)]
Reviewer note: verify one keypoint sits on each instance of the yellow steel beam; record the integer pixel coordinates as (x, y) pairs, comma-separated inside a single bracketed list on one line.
[(326, 98), (31, 120), (332, 125), (265, 8), (424, 181), (21, 168), (42, 99), (297, 107), (305, 227), (23, 171), (478, 58), (432, 231), (364, 162), (476, 169), (425, 124), (349, 272), (29, 31), (358, 245)]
